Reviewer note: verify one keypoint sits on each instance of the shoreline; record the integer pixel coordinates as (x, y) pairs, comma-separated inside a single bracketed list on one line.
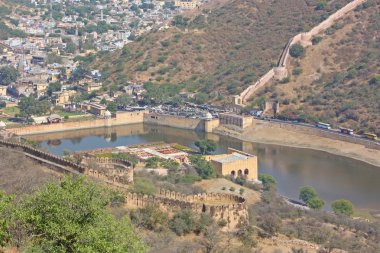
[(275, 135), (260, 135)]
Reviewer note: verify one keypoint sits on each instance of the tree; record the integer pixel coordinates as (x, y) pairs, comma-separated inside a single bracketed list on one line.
[(72, 217), (343, 206), (307, 193), (182, 223), (30, 106), (206, 146), (321, 5), (125, 51), (267, 181), (112, 107), (123, 100), (152, 162), (297, 50), (170, 164), (375, 80), (180, 21), (5, 203), (56, 86), (8, 74), (53, 58), (150, 217), (70, 47), (203, 167), (316, 203)]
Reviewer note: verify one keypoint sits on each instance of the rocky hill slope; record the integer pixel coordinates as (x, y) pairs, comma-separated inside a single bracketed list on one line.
[(223, 48), (338, 79)]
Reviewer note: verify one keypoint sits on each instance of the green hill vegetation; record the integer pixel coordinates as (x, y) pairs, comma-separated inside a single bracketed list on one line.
[(216, 50), (338, 79)]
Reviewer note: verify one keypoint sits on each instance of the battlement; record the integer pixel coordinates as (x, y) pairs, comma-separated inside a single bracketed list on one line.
[(226, 206)]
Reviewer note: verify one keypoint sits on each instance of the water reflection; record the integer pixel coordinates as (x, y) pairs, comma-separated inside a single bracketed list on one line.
[(333, 176)]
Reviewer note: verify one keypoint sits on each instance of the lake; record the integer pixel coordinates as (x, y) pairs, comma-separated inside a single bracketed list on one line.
[(333, 176)]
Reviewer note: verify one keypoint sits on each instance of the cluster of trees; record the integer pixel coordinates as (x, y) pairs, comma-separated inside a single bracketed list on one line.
[(8, 75), (310, 197), (154, 162), (340, 206), (204, 168), (6, 32), (206, 146), (180, 21), (160, 94), (268, 181), (183, 222), (71, 216), (31, 106)]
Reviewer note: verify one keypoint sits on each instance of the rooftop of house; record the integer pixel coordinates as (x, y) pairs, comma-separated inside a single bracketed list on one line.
[(229, 158)]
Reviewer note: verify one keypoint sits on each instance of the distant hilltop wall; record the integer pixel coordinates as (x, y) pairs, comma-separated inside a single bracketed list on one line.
[(304, 39)]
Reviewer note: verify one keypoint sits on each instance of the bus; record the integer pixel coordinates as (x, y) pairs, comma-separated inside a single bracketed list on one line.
[(323, 125), (370, 136), (346, 131)]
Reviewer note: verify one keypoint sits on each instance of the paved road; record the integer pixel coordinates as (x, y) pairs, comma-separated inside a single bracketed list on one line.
[(332, 131)]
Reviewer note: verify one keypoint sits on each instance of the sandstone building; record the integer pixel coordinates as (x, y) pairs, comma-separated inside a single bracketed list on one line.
[(235, 164)]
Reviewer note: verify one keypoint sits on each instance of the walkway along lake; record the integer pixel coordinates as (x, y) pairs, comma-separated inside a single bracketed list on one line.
[(333, 176)]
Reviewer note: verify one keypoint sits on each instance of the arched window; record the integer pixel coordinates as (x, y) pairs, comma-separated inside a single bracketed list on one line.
[(233, 173), (246, 172), (240, 173)]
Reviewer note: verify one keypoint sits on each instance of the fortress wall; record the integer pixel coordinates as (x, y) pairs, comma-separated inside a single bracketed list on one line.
[(260, 83), (120, 119), (174, 121), (305, 40), (43, 155), (174, 201)]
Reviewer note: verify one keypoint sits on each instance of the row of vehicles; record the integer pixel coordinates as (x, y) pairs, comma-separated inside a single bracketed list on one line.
[(348, 131)]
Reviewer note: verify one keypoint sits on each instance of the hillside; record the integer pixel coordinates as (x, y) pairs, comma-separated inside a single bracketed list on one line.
[(222, 48), (6, 9), (337, 81)]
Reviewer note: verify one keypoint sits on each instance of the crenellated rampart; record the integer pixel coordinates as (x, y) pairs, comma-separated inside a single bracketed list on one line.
[(113, 169), (226, 206), (280, 71), (43, 155)]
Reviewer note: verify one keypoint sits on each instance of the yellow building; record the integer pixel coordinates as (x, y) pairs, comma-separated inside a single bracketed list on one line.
[(235, 164), (63, 97), (3, 90), (235, 120), (96, 109), (90, 87), (186, 4)]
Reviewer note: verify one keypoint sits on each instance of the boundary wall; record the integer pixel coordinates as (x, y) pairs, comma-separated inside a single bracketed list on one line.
[(44, 155), (59, 164), (125, 118), (305, 38), (122, 118), (114, 169), (197, 203)]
